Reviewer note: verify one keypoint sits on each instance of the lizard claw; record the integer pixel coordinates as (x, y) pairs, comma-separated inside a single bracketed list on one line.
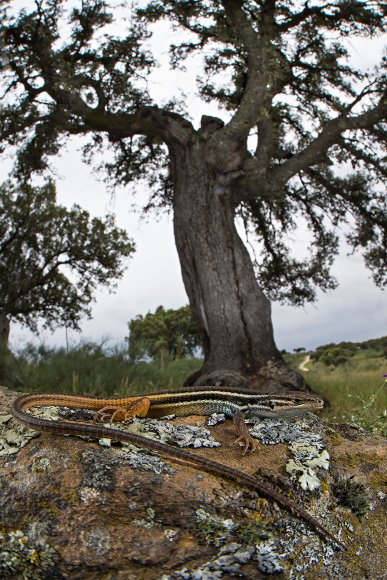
[(244, 436), (248, 442), (111, 414)]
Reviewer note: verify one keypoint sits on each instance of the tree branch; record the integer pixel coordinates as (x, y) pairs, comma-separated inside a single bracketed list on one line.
[(147, 120), (300, 17), (333, 129), (255, 90), (269, 184), (343, 12)]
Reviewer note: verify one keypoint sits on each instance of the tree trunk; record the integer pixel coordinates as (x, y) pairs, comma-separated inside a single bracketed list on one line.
[(233, 313), (4, 334)]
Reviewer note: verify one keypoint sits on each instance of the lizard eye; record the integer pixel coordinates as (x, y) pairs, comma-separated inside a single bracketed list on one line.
[(272, 404)]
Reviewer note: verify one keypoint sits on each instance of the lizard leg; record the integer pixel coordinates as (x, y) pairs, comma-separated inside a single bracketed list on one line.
[(244, 437), (138, 408)]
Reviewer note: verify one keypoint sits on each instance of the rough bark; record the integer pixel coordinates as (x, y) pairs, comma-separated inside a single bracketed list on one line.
[(4, 335), (4, 330), (233, 313)]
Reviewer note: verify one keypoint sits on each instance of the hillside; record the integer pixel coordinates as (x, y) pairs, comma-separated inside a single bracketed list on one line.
[(353, 378), (335, 354)]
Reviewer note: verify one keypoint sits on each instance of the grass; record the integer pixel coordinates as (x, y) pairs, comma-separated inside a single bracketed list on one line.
[(93, 369), (294, 360), (356, 390)]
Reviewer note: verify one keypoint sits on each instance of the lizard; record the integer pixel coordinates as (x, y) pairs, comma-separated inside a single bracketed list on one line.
[(235, 403)]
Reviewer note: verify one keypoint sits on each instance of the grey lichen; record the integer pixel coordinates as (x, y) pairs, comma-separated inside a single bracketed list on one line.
[(286, 430), (20, 557), (305, 551), (181, 435), (97, 540), (227, 563), (307, 558), (229, 560), (216, 418), (145, 461), (12, 435), (269, 560), (309, 457), (147, 522), (98, 472), (49, 412), (305, 442), (273, 431)]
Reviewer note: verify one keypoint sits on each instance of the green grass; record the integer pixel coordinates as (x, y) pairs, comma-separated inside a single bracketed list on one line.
[(94, 369), (356, 390), (295, 359)]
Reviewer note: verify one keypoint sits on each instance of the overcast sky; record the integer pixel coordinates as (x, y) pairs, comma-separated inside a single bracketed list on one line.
[(355, 311)]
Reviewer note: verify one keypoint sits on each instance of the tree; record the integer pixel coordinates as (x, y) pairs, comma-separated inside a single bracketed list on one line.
[(300, 139), (172, 331), (52, 259)]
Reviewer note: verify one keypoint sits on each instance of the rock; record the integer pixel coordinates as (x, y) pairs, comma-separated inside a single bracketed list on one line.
[(71, 508)]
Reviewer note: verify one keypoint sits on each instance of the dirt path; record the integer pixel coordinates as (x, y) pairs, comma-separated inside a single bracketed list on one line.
[(303, 363)]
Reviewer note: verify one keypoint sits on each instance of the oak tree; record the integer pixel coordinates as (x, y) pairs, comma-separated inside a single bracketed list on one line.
[(52, 259), (299, 138)]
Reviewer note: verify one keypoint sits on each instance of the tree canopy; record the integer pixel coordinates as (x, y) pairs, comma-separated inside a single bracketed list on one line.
[(52, 259), (174, 332), (281, 71)]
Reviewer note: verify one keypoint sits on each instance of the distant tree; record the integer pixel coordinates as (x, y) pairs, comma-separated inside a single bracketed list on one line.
[(300, 141), (174, 332), (299, 349), (52, 259)]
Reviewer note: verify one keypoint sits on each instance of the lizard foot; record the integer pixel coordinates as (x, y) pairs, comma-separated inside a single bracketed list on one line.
[(138, 408), (244, 437)]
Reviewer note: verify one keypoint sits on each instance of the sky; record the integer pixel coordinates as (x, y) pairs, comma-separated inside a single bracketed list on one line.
[(355, 311)]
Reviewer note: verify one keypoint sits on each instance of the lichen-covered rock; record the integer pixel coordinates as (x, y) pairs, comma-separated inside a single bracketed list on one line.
[(74, 508)]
